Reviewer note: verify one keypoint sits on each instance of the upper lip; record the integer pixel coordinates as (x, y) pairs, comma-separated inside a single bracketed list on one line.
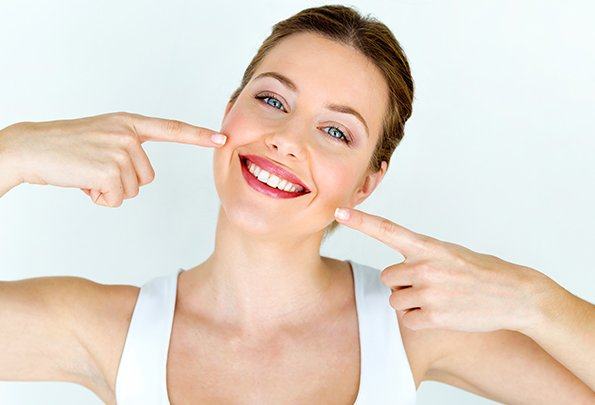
[(273, 168)]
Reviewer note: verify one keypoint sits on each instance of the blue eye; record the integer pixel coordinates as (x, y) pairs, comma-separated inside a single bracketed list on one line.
[(341, 136), (336, 133), (272, 101)]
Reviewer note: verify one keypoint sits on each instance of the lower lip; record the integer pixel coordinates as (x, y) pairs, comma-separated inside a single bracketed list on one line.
[(263, 188)]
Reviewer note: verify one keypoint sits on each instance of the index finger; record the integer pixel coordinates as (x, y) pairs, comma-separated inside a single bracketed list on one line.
[(404, 240), (168, 130)]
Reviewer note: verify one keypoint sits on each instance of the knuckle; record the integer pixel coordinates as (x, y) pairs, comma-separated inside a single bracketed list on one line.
[(387, 227), (457, 256), (118, 115), (128, 139), (424, 271), (433, 275), (111, 171), (460, 262), (174, 127), (444, 247), (120, 156), (423, 242)]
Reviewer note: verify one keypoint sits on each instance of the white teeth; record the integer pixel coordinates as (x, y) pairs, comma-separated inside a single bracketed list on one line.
[(263, 176), (272, 180)]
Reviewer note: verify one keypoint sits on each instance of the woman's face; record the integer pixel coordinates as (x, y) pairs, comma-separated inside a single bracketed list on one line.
[(305, 127)]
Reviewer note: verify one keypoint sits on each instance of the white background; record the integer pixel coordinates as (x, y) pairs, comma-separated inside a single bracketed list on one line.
[(498, 155)]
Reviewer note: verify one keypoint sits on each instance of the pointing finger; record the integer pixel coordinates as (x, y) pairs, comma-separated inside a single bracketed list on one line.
[(405, 241), (167, 130)]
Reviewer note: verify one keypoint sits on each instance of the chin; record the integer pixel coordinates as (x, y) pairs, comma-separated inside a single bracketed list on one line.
[(255, 221)]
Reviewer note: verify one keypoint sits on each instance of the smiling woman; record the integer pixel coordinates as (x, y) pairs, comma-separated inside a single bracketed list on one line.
[(266, 318), (373, 40)]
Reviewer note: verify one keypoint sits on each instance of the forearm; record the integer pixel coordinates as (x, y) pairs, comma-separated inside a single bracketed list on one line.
[(565, 328), (8, 173)]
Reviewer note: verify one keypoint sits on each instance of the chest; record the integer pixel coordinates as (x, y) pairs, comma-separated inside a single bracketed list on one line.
[(316, 366)]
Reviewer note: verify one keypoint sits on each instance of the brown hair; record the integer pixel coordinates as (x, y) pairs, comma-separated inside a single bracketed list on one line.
[(374, 40)]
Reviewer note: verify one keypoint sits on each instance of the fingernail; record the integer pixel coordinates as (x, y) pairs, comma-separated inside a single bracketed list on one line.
[(342, 213), (218, 138)]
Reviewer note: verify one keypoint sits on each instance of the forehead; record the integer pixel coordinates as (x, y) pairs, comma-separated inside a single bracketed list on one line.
[(326, 71)]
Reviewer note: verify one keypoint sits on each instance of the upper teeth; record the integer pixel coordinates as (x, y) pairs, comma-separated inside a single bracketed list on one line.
[(272, 180)]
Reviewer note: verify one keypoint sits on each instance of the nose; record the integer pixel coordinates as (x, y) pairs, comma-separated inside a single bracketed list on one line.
[(287, 144)]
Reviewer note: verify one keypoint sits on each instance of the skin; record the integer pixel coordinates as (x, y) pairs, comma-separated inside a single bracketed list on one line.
[(447, 287), (266, 276), (266, 271), (102, 155)]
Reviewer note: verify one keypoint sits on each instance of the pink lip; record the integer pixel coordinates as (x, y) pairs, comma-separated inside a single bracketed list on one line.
[(270, 167), (263, 188)]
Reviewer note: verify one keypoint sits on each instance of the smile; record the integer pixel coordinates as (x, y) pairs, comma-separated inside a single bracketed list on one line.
[(269, 184)]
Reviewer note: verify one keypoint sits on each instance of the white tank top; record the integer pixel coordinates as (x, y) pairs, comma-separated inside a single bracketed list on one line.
[(385, 374)]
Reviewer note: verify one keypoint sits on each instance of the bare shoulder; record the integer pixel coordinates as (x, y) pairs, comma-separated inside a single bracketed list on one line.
[(100, 315), (64, 328)]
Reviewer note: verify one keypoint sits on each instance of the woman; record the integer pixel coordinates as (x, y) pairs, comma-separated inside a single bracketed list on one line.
[(265, 318)]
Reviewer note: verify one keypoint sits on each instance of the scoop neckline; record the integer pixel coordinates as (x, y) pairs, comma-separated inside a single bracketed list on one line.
[(358, 311)]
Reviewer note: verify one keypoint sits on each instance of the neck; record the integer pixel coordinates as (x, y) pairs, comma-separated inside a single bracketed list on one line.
[(260, 283)]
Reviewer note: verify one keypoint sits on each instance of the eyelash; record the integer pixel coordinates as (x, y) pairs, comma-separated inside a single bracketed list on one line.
[(263, 96)]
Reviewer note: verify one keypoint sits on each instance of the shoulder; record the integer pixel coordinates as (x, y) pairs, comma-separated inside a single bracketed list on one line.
[(99, 314), (90, 304)]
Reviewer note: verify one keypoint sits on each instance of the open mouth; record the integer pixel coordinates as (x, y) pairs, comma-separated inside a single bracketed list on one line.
[(265, 188)]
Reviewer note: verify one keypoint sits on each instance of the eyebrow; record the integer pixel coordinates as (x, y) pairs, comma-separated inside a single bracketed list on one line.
[(333, 107)]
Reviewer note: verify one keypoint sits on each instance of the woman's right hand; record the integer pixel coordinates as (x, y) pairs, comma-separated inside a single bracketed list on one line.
[(101, 155)]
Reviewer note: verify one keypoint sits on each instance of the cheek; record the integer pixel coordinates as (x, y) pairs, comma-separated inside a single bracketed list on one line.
[(247, 121), (242, 125), (241, 129), (335, 182)]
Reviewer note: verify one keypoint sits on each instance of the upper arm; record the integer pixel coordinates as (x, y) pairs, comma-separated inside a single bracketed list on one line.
[(505, 366), (38, 340)]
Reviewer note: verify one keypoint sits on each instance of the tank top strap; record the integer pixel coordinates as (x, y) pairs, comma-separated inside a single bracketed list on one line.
[(141, 377), (385, 377)]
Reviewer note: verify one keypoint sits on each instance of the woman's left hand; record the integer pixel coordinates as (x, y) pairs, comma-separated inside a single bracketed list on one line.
[(447, 286)]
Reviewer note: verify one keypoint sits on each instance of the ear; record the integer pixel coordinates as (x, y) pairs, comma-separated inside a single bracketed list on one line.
[(369, 184)]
